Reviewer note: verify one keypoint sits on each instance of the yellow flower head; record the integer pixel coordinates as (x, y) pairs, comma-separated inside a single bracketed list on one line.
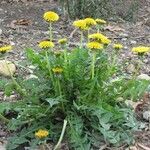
[(62, 41), (99, 38), (5, 49), (90, 22), (141, 49), (50, 16), (81, 24), (100, 21), (46, 44), (94, 45), (118, 46), (105, 41), (57, 70), (41, 133)]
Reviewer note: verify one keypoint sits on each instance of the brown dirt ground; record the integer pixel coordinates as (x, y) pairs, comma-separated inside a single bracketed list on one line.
[(34, 29)]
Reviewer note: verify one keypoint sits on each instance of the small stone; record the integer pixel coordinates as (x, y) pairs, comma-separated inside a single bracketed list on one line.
[(124, 39), (125, 47), (133, 42), (32, 76), (131, 68), (12, 43), (143, 77), (0, 31), (2, 147), (7, 68), (146, 115), (32, 67), (124, 35)]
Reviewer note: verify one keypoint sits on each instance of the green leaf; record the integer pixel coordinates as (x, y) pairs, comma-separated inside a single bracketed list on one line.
[(53, 101), (4, 106), (9, 88)]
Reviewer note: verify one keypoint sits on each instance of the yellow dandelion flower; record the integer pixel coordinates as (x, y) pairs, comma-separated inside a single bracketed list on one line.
[(46, 44), (41, 133), (62, 41), (57, 70), (90, 22), (99, 38), (81, 24), (118, 46), (5, 48), (96, 36), (50, 16), (105, 41), (94, 45), (100, 21), (141, 49)]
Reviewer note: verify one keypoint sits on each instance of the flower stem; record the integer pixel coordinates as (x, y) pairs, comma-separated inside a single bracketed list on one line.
[(50, 31), (81, 39), (60, 93), (61, 136), (50, 70), (93, 64), (65, 55)]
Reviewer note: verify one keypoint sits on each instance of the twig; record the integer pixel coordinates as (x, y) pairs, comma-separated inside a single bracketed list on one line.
[(103, 147), (143, 147), (61, 136)]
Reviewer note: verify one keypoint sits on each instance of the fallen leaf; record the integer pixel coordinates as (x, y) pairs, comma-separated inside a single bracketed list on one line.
[(134, 105), (133, 148), (114, 28), (20, 22), (143, 147)]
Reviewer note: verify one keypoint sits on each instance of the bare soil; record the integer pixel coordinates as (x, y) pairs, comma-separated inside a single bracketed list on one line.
[(22, 26)]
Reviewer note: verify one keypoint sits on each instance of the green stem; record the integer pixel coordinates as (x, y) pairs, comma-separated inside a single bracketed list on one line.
[(137, 70), (60, 93), (59, 87), (81, 39), (61, 136), (50, 71), (65, 55), (50, 31), (4, 119), (93, 65), (49, 67)]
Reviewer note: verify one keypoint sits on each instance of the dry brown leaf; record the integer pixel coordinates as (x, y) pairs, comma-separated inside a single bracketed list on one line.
[(114, 28), (143, 147), (134, 104), (20, 22), (133, 148)]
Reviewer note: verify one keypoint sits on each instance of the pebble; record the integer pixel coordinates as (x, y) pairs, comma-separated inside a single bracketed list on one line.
[(131, 68), (4, 65), (2, 147), (32, 67), (124, 35), (146, 115), (124, 39), (144, 77), (133, 42), (0, 31), (32, 76)]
